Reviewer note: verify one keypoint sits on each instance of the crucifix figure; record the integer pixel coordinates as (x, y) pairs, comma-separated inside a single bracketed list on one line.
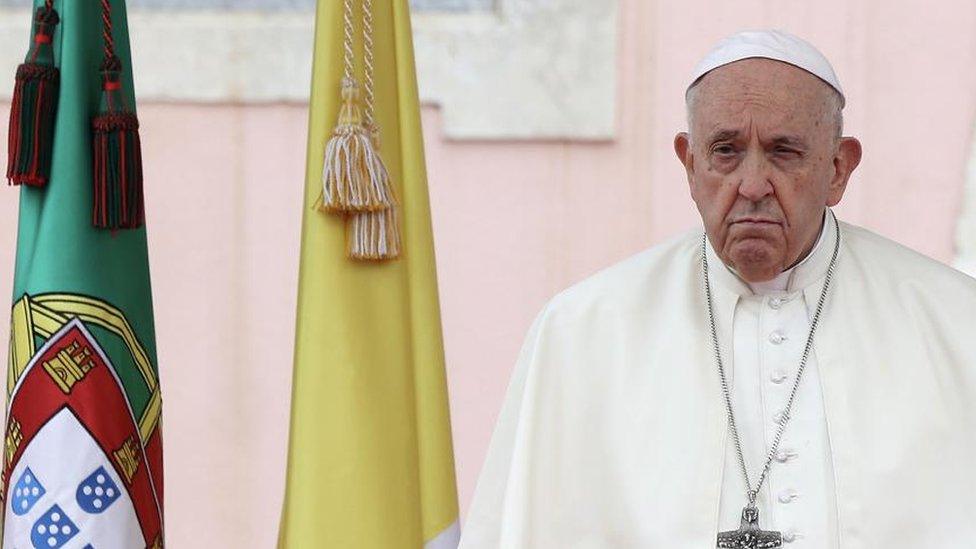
[(749, 535)]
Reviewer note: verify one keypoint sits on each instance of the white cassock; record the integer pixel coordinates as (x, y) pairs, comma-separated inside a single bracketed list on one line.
[(613, 433)]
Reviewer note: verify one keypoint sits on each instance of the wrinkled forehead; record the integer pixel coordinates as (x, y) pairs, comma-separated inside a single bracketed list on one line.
[(761, 91)]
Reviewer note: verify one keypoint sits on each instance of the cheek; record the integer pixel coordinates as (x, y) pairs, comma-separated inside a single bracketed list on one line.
[(801, 194), (715, 194)]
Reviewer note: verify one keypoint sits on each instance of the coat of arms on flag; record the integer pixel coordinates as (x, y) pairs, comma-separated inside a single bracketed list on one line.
[(81, 462)]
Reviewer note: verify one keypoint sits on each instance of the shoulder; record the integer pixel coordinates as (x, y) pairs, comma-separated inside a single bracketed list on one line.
[(634, 284), (886, 260)]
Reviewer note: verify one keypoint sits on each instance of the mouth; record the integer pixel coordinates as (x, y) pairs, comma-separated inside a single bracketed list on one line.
[(755, 222)]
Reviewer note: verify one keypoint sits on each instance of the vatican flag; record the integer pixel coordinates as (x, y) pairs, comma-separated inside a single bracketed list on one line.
[(370, 461)]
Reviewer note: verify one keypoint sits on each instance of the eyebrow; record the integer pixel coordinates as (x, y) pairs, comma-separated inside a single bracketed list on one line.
[(791, 140), (723, 135), (729, 134)]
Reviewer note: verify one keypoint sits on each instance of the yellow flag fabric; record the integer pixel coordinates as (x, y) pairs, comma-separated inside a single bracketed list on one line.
[(370, 461)]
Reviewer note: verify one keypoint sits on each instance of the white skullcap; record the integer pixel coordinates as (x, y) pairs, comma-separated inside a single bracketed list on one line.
[(769, 44)]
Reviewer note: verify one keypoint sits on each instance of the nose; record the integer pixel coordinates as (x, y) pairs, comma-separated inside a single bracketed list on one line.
[(755, 183)]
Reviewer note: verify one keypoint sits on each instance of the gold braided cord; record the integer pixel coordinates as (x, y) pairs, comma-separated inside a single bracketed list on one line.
[(347, 44), (368, 116)]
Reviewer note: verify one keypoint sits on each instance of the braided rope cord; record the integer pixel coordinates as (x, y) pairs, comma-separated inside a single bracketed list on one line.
[(347, 43), (368, 66), (108, 42)]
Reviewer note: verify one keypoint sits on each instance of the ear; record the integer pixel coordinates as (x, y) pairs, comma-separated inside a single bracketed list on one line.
[(846, 159), (682, 148)]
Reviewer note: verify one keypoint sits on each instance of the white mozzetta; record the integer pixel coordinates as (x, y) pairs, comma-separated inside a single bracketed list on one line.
[(966, 228), (613, 432)]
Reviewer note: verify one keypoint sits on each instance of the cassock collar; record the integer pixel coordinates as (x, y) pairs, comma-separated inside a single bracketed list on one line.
[(808, 271)]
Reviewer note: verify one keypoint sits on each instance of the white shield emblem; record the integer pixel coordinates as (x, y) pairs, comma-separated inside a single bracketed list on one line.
[(68, 499)]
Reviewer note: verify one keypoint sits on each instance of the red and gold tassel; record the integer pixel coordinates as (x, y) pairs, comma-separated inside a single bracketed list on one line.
[(117, 153), (34, 106)]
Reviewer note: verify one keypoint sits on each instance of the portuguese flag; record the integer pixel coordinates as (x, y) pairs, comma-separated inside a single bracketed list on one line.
[(370, 461), (82, 460)]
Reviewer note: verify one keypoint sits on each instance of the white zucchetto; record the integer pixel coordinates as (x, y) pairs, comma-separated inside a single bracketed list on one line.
[(768, 44)]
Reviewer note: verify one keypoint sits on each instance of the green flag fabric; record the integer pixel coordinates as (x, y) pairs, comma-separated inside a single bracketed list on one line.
[(82, 451)]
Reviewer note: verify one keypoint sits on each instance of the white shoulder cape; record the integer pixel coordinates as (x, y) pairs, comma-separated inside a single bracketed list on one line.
[(613, 431)]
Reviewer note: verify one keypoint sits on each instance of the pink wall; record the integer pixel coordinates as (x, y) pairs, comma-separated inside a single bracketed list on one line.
[(514, 223)]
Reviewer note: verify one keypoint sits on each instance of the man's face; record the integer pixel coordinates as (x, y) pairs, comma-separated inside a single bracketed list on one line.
[(763, 160)]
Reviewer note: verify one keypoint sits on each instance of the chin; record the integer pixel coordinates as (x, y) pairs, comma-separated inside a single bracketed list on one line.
[(756, 260)]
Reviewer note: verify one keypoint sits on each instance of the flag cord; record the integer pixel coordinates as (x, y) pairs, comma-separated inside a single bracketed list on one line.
[(107, 39), (347, 44), (368, 72)]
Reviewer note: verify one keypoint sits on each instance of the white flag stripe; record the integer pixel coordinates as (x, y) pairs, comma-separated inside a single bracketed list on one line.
[(448, 539)]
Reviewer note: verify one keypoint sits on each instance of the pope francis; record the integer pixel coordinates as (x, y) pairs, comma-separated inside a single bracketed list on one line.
[(777, 379)]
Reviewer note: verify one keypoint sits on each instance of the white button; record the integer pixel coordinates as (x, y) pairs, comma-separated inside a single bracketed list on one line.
[(777, 337), (785, 455), (778, 376), (787, 496), (776, 302)]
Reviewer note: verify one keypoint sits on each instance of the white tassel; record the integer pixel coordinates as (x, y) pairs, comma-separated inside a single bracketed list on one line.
[(353, 176), (374, 236)]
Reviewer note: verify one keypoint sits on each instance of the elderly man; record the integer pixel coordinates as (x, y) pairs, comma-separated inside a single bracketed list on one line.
[(778, 379)]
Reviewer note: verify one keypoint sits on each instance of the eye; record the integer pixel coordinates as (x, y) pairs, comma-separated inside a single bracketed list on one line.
[(787, 152), (723, 149)]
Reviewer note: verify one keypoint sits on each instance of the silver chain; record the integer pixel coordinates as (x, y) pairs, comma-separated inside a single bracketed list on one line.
[(752, 493)]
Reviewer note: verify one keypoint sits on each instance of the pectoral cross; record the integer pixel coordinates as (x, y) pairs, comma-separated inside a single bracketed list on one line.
[(749, 535)]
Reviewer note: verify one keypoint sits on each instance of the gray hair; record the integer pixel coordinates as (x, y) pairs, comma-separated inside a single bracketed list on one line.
[(835, 109)]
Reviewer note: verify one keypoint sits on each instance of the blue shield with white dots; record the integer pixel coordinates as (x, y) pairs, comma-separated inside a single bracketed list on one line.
[(97, 492), (53, 529), (26, 492)]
